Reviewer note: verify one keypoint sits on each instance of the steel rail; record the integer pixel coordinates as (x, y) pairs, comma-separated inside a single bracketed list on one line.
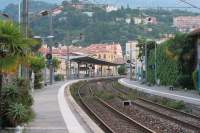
[(105, 127)]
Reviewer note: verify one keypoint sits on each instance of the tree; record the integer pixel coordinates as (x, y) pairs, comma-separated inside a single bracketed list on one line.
[(141, 46), (13, 49), (37, 64), (56, 63), (183, 50)]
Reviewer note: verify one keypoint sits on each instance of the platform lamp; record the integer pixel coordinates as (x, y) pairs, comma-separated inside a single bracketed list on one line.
[(43, 42)]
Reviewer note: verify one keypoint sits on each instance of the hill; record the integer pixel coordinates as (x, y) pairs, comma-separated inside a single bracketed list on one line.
[(102, 26), (131, 3)]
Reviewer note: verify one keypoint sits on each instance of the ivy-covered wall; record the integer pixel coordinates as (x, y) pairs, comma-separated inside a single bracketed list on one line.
[(168, 70)]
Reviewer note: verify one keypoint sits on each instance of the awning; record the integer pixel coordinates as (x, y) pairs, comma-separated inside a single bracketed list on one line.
[(92, 60)]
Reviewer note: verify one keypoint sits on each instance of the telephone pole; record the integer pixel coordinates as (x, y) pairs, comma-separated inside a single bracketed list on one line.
[(50, 48), (24, 70), (131, 71), (25, 18)]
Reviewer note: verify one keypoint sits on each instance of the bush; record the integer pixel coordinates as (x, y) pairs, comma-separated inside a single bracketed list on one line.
[(59, 77), (17, 103), (185, 81), (38, 80), (17, 113), (167, 69), (24, 88), (175, 104), (10, 93)]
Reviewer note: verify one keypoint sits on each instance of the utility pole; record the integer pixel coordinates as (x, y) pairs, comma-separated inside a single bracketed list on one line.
[(25, 18), (24, 70), (131, 60), (68, 60)]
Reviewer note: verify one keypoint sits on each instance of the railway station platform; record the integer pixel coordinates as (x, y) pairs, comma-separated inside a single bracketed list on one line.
[(188, 96), (57, 112)]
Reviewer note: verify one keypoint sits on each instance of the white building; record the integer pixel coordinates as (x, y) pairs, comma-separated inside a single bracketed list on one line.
[(186, 23), (128, 20), (132, 52), (110, 8), (137, 20)]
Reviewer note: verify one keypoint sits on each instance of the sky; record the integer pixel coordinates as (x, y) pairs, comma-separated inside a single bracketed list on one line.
[(132, 3)]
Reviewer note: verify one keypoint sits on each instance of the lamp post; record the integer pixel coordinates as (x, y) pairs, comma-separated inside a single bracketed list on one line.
[(131, 61), (50, 13)]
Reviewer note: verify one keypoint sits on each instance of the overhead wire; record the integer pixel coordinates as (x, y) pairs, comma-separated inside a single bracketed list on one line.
[(190, 4)]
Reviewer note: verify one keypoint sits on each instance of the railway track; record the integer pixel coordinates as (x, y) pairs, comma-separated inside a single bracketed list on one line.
[(185, 119), (110, 119)]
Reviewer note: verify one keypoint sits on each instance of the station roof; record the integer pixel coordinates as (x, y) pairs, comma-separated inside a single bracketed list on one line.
[(92, 60)]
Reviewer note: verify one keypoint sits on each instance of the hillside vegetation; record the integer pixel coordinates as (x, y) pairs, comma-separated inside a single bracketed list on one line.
[(101, 26)]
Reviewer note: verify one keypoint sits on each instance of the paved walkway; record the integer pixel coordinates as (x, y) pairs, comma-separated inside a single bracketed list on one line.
[(187, 96), (48, 117)]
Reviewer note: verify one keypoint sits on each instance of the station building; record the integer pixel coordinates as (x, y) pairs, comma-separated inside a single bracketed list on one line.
[(94, 60)]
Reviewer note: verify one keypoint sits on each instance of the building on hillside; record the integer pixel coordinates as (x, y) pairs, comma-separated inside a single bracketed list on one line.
[(186, 23), (107, 52), (128, 20), (145, 20), (78, 5), (110, 8), (58, 10), (138, 20), (150, 20)]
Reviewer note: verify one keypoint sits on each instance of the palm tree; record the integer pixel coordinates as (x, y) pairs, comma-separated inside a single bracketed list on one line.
[(13, 49)]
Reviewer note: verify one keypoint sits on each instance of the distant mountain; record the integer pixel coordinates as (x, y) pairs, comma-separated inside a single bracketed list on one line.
[(131, 3), (4, 3)]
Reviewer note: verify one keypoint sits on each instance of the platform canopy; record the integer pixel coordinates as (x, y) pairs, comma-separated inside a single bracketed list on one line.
[(92, 60)]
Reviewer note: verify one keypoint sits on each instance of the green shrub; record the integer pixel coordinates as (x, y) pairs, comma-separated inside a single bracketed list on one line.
[(24, 88), (10, 93), (17, 102), (176, 104), (17, 113), (59, 77), (167, 69), (185, 81), (38, 80)]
